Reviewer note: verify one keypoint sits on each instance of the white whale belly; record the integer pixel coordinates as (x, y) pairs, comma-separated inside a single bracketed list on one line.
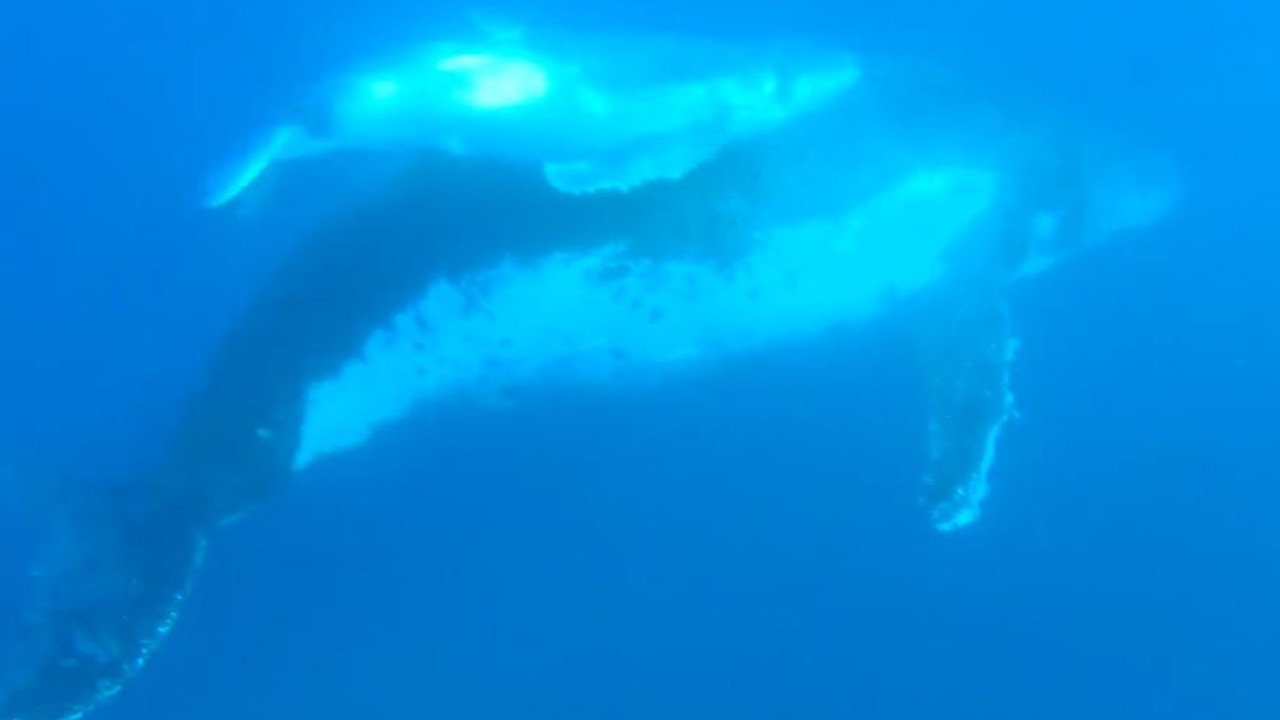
[(601, 313)]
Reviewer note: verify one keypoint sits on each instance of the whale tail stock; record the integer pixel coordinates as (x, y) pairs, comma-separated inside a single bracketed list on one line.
[(112, 572)]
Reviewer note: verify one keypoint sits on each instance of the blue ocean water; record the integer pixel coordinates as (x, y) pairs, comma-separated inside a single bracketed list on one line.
[(745, 545)]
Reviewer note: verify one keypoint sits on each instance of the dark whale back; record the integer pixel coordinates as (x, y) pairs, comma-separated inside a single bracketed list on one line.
[(108, 603), (444, 217)]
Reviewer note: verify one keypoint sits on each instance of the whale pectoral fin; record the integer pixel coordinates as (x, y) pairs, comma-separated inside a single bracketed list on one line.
[(666, 157), (966, 350), (105, 595), (248, 170)]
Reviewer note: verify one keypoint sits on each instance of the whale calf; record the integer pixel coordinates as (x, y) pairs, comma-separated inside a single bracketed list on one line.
[(597, 111), (901, 194)]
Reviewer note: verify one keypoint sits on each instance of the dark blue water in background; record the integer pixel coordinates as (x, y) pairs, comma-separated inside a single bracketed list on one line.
[(743, 545)]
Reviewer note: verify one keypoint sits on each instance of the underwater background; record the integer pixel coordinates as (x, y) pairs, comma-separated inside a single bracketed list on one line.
[(745, 544)]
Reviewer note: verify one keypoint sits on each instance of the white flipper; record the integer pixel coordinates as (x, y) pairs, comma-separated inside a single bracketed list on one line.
[(283, 142), (663, 157), (967, 349)]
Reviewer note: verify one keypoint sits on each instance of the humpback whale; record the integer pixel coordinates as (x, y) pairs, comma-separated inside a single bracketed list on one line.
[(899, 194), (596, 110)]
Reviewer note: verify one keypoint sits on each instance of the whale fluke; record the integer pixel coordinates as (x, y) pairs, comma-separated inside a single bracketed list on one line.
[(108, 589)]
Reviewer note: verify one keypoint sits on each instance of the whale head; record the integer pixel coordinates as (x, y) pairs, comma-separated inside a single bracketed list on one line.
[(1096, 192)]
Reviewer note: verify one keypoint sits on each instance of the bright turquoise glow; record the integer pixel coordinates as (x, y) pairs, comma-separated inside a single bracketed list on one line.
[(495, 81), (384, 89)]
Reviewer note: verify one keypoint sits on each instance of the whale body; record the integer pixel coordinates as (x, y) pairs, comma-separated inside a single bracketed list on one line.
[(472, 270), (597, 111)]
